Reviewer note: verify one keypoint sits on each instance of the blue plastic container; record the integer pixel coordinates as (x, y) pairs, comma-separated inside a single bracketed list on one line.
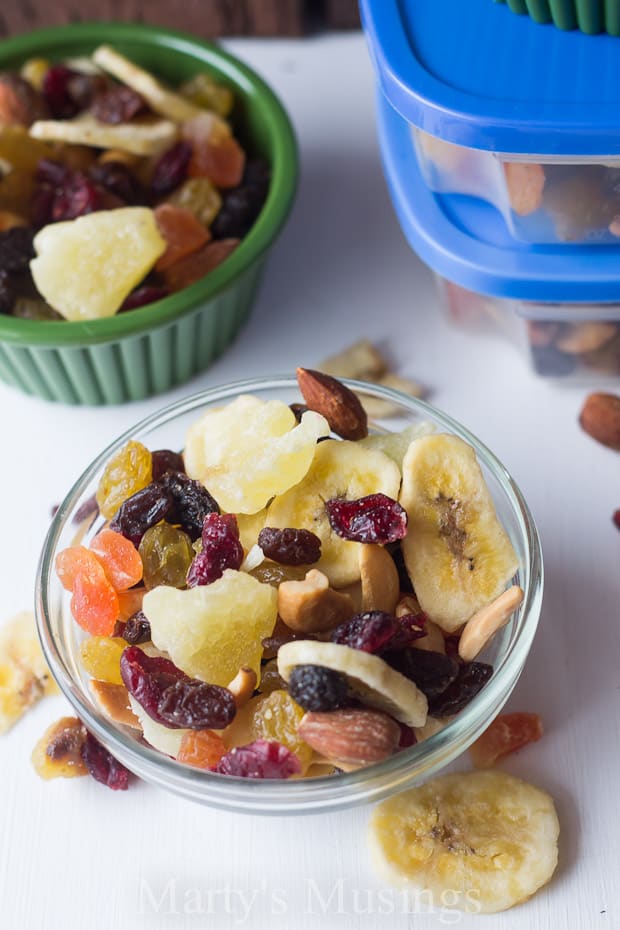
[(561, 306), (522, 116)]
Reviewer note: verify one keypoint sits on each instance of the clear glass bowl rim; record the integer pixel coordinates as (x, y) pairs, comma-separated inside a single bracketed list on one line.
[(315, 795)]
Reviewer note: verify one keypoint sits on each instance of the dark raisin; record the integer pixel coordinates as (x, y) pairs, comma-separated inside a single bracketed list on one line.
[(57, 92), (163, 460), (376, 518), (146, 294), (371, 631), (116, 178), (137, 629), (290, 546), (117, 104), (102, 765), (51, 172), (171, 169), (171, 697), (299, 410), (432, 672), (257, 173), (16, 249), (549, 361), (260, 759), (191, 502), (141, 511), (272, 573), (472, 677), (221, 549), (238, 213), (7, 292), (317, 688), (82, 88), (41, 205)]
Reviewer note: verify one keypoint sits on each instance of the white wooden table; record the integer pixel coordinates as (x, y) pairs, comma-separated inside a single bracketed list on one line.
[(74, 855)]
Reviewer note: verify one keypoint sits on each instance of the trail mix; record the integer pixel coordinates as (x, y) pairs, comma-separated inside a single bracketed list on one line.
[(290, 596), (115, 191)]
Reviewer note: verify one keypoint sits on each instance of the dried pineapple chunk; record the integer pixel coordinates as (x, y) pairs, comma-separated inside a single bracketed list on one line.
[(211, 631), (251, 450), (86, 267), (24, 675)]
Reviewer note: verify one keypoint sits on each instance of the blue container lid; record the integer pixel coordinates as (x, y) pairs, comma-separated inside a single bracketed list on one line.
[(490, 262), (473, 73)]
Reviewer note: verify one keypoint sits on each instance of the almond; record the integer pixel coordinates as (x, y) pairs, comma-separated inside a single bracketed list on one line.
[(339, 405), (600, 419), (354, 736)]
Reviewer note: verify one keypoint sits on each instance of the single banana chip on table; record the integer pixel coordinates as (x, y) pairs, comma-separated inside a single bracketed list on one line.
[(377, 685), (339, 470), (146, 137), (24, 675), (457, 553), (480, 842)]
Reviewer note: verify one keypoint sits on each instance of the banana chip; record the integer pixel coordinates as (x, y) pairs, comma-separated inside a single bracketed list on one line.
[(24, 675), (147, 137)]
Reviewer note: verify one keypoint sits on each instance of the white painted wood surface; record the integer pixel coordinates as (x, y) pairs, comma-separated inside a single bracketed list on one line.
[(73, 855)]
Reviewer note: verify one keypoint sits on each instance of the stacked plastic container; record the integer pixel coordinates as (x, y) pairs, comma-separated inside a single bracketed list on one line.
[(501, 146)]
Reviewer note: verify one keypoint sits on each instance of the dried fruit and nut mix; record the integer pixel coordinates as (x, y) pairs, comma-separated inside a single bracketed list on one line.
[(250, 603), (115, 191)]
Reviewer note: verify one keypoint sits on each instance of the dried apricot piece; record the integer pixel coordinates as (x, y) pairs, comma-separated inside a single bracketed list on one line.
[(94, 604), (201, 748), (507, 734), (75, 561), (184, 234), (121, 561), (216, 154), (193, 267)]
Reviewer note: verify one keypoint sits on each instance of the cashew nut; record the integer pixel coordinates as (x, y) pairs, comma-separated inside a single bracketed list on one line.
[(379, 576), (242, 686), (311, 606), (481, 627)]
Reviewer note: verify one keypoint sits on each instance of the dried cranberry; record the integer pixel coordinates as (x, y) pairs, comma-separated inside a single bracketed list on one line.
[(57, 92), (52, 172), (16, 249), (163, 460), (117, 104), (147, 294), (432, 672), (407, 736), (77, 197), (290, 546), (371, 631), (472, 677), (221, 549), (191, 502), (373, 519), (141, 511), (171, 169), (8, 294), (137, 629), (260, 759), (616, 519), (317, 688), (117, 179), (374, 631), (103, 766), (41, 205), (171, 697)]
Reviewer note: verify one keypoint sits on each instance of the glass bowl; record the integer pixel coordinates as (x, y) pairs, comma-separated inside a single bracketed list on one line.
[(61, 636)]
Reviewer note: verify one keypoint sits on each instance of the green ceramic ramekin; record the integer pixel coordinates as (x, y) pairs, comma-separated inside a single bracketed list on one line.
[(151, 349), (589, 16)]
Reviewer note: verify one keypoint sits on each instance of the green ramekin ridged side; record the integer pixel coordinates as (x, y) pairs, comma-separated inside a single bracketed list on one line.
[(138, 366), (590, 16)]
